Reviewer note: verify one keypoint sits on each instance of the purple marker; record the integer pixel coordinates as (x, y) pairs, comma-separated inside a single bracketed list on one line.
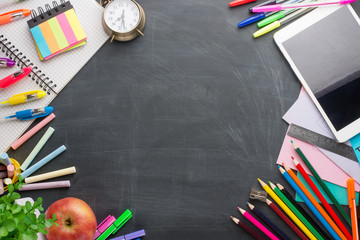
[(5, 62), (131, 236), (104, 225)]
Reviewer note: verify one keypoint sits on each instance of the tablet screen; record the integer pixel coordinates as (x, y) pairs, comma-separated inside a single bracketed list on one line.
[(327, 54)]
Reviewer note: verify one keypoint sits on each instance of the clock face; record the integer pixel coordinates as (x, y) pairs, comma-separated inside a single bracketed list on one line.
[(122, 15)]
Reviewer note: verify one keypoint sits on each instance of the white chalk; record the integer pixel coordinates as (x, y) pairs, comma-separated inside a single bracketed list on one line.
[(7, 181)]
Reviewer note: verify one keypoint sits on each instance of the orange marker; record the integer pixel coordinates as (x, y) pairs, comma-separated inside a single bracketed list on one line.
[(315, 203), (14, 15), (352, 206)]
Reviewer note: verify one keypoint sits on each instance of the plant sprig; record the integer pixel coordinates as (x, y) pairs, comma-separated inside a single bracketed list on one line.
[(20, 222)]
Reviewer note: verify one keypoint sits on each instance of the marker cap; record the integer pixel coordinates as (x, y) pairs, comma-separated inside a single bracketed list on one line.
[(134, 235), (240, 2), (122, 220), (266, 29)]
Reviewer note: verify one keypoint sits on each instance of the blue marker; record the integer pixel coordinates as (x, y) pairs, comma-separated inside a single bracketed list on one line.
[(254, 18), (309, 204), (31, 113)]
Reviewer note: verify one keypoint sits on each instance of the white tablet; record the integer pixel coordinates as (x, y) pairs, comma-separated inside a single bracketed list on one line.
[(323, 49)]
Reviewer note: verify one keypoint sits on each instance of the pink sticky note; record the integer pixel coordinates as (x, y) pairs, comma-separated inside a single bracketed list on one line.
[(326, 168)]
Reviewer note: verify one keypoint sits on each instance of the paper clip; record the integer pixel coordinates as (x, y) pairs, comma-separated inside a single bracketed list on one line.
[(259, 195)]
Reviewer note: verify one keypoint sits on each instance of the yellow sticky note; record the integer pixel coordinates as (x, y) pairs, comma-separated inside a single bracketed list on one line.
[(75, 25)]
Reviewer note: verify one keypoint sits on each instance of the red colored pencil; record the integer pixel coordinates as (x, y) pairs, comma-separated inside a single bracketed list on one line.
[(322, 199), (286, 219), (247, 228)]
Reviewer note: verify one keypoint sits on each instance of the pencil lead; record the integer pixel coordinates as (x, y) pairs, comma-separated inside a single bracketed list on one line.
[(281, 187), (272, 185), (268, 202), (292, 157), (241, 210)]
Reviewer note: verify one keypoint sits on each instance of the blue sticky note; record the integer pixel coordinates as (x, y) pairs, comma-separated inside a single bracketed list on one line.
[(355, 143), (40, 42), (339, 192)]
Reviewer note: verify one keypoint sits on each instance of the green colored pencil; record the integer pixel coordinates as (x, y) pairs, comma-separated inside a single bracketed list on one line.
[(322, 184), (295, 211)]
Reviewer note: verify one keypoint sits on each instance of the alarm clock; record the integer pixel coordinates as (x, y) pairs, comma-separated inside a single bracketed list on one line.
[(123, 20)]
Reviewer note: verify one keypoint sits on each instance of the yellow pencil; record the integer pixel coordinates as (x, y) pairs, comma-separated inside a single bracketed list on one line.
[(287, 210)]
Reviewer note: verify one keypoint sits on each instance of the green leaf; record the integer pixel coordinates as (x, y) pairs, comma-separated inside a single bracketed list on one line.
[(16, 209), (2, 207), (3, 231), (21, 179), (28, 206), (41, 217), (28, 235), (48, 223), (33, 227), (10, 188), (27, 220), (43, 231), (54, 217), (21, 226), (14, 196), (10, 225), (32, 217)]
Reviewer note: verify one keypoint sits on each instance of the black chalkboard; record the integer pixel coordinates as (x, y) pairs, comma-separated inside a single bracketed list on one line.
[(176, 125)]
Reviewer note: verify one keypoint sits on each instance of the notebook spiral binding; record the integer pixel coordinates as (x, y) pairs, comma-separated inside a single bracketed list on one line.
[(43, 14), (22, 61)]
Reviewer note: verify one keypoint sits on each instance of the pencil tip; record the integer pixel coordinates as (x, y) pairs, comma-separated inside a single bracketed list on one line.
[(291, 141), (272, 185), (261, 182), (281, 170), (268, 202), (241, 210), (292, 157), (235, 219), (250, 205)]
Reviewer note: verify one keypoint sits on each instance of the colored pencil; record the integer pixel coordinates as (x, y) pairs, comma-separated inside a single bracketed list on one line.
[(287, 210), (268, 222), (258, 224), (322, 199), (352, 206), (358, 215), (247, 228), (296, 211), (309, 204), (286, 219), (302, 211), (321, 182)]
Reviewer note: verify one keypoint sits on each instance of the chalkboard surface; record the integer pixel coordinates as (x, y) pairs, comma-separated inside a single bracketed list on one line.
[(176, 125)]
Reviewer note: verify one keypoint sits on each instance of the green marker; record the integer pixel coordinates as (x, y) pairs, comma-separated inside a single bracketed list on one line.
[(272, 18), (116, 225)]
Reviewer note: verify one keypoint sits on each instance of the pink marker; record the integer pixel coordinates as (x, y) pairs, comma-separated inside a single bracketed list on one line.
[(258, 224), (278, 7), (104, 225)]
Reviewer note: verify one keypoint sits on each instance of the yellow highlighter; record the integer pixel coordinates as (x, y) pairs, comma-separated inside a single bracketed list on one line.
[(25, 97)]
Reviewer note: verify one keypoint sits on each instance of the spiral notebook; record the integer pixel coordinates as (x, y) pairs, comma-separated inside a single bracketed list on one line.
[(16, 42)]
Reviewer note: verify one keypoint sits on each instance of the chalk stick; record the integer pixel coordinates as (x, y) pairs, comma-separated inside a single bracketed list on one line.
[(47, 185), (7, 181), (1, 187), (49, 175), (37, 148), (4, 158), (42, 162), (10, 170), (32, 131), (2, 167), (3, 175)]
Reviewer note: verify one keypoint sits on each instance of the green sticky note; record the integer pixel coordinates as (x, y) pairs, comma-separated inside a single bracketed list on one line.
[(339, 192)]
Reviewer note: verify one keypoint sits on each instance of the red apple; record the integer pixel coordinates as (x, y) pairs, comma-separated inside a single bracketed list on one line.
[(75, 218)]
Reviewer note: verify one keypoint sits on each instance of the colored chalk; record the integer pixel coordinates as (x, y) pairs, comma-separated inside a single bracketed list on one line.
[(42, 162), (47, 185), (3, 175), (37, 148), (32, 131), (7, 181), (10, 170), (2, 167), (4, 158), (1, 187), (49, 175)]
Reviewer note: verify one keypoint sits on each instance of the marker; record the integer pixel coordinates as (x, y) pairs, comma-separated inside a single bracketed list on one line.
[(254, 18), (14, 15), (278, 7), (131, 236), (240, 2), (116, 225), (277, 24), (274, 17), (269, 2), (5, 62), (31, 113), (13, 78), (24, 97), (105, 224)]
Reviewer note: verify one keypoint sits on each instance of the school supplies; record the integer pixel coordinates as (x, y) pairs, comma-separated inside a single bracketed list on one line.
[(13, 16), (259, 195), (5, 62), (286, 219), (24, 97), (50, 76), (4, 158), (274, 17), (240, 2), (10, 170), (352, 206), (15, 77), (316, 175), (322, 199), (257, 224), (268, 222), (269, 2), (278, 7), (37, 148), (254, 18), (7, 181), (105, 224), (31, 113), (247, 228), (131, 236), (56, 30), (43, 161), (116, 225), (49, 175), (1, 187), (47, 185)]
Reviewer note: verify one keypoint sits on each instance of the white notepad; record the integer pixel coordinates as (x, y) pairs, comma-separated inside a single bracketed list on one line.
[(58, 70)]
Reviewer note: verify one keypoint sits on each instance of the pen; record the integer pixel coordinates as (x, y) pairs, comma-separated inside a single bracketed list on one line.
[(278, 7), (277, 24), (116, 225), (105, 224), (240, 2), (352, 206), (5, 62), (31, 113), (24, 97), (13, 78), (14, 15), (269, 2), (8, 2)]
